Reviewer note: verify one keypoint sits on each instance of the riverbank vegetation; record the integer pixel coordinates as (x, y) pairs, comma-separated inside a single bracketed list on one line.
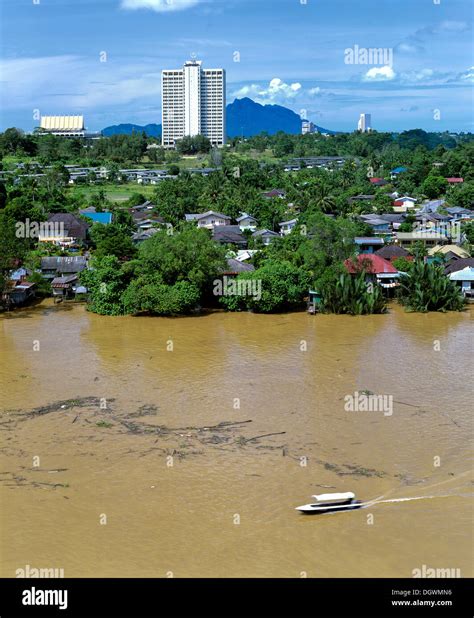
[(352, 295), (170, 275), (426, 288)]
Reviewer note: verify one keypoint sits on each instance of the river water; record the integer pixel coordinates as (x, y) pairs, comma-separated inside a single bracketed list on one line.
[(127, 469)]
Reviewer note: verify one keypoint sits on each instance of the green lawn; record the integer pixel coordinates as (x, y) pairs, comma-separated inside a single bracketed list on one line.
[(115, 192)]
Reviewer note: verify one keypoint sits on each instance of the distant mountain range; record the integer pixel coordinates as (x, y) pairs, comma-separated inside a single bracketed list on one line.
[(152, 130), (244, 118)]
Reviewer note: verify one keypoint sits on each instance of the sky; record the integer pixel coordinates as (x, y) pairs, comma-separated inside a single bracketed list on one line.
[(409, 63)]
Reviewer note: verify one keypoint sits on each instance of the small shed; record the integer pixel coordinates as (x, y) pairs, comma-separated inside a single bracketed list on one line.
[(465, 280), (63, 286), (314, 301)]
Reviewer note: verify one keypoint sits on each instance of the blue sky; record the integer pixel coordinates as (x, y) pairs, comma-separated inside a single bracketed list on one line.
[(103, 58)]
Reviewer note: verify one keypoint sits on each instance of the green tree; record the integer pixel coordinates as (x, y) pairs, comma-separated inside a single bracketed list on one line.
[(434, 186), (403, 264), (468, 230), (112, 239), (193, 145), (282, 288), (150, 295), (427, 288), (106, 282), (12, 248), (351, 294), (187, 255), (43, 286)]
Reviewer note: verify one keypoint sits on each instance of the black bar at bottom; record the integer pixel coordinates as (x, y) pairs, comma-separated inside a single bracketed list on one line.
[(187, 598)]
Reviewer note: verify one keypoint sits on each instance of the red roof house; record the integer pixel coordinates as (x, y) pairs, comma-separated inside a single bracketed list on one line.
[(378, 182), (370, 263), (455, 181)]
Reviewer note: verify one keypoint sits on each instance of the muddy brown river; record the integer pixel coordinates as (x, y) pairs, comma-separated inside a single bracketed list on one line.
[(150, 447)]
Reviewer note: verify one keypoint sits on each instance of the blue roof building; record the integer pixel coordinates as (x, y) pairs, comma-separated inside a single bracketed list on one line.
[(98, 217), (368, 244)]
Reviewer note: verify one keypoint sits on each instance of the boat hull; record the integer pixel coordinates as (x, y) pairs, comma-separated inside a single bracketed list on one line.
[(320, 509)]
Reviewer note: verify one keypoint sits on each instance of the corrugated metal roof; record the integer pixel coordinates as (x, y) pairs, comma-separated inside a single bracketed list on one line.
[(466, 274), (373, 264), (368, 240), (62, 123)]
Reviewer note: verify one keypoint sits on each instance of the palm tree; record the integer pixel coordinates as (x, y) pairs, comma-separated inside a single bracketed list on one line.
[(324, 201), (427, 288)]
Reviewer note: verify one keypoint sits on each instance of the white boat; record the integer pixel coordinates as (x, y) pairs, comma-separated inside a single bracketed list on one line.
[(325, 503)]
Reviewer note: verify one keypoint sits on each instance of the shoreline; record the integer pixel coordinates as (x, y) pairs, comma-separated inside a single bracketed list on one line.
[(48, 303)]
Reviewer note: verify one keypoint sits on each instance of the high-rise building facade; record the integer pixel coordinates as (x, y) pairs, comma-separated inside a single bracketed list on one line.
[(365, 123), (193, 103), (307, 127)]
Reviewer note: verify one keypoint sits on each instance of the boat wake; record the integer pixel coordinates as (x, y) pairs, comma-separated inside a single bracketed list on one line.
[(378, 501), (383, 499)]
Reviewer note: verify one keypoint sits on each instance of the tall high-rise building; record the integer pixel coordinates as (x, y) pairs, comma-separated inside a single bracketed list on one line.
[(193, 103), (307, 127), (365, 123)]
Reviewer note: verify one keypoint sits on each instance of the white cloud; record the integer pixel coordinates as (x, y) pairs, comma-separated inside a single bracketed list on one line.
[(408, 48), (379, 74), (160, 6), (453, 26), (418, 76), (204, 42), (277, 87), (69, 84), (468, 75), (276, 92)]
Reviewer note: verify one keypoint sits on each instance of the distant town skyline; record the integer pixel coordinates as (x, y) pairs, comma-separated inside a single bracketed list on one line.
[(409, 66)]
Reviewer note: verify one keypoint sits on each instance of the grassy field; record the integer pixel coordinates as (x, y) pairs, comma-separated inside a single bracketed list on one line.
[(114, 192)]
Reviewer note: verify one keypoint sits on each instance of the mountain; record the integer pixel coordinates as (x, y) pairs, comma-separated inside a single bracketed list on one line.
[(244, 117), (152, 130), (247, 118)]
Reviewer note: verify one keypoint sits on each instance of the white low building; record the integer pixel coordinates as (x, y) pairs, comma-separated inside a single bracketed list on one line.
[(209, 220), (404, 204), (286, 227), (247, 222), (465, 280)]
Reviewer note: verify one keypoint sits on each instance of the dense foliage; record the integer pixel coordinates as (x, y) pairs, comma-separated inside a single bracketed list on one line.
[(113, 239), (169, 276), (106, 282), (279, 286), (352, 295), (152, 296), (426, 288)]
